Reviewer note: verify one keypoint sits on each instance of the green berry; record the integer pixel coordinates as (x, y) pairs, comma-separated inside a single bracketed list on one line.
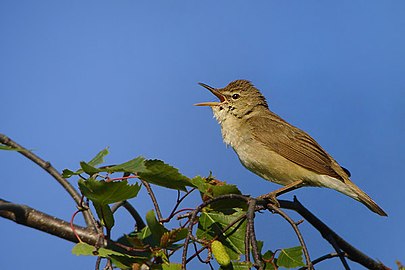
[(220, 254)]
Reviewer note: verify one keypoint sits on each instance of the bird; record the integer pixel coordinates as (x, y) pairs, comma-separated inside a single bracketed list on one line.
[(275, 150)]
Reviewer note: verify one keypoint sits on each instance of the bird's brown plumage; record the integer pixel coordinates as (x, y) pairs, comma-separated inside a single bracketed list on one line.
[(275, 149)]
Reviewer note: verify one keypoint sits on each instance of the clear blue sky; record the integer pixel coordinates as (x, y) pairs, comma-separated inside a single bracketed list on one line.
[(77, 76)]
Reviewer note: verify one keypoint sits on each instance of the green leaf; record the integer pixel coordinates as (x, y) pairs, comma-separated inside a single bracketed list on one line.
[(290, 257), (103, 192), (259, 245), (211, 188), (99, 158), (144, 233), (105, 215), (269, 257), (159, 173), (133, 166), (200, 183), (66, 173), (171, 266), (211, 224), (85, 249), (157, 229), (238, 266), (120, 260), (87, 168)]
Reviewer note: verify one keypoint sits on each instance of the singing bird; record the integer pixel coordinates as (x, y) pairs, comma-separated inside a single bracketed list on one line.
[(274, 149)]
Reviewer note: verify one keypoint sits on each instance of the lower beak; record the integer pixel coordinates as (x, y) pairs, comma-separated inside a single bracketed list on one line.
[(215, 92)]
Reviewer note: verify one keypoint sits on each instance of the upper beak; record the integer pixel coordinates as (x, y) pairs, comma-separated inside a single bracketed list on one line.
[(215, 92)]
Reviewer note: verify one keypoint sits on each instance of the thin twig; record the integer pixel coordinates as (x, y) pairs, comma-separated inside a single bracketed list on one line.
[(196, 254), (297, 232), (140, 224), (250, 216), (98, 262), (88, 216), (178, 202), (153, 198), (323, 258), (338, 251)]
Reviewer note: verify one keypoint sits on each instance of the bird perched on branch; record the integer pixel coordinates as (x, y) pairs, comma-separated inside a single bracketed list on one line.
[(274, 149)]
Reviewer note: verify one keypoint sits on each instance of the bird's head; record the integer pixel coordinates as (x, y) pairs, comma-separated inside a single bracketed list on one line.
[(238, 98)]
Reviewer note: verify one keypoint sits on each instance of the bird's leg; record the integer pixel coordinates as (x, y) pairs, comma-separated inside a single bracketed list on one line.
[(272, 196)]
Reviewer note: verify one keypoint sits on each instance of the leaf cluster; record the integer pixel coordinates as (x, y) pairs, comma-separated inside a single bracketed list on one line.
[(154, 244)]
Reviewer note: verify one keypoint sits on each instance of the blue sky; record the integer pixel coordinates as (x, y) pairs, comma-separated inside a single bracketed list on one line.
[(77, 76)]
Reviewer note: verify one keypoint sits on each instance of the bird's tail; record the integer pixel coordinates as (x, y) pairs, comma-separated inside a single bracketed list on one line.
[(362, 197)]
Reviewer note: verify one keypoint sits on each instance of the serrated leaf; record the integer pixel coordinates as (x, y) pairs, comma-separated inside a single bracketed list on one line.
[(103, 192), (290, 257), (211, 224), (133, 166), (157, 229), (159, 173), (99, 158), (105, 215)]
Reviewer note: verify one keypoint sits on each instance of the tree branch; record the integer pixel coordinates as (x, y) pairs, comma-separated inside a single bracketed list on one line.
[(32, 218), (352, 253), (88, 216)]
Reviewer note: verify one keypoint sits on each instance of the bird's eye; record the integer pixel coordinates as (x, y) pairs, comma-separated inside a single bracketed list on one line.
[(235, 96)]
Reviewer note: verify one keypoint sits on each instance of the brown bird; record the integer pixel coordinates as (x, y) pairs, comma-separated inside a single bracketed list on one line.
[(274, 149)]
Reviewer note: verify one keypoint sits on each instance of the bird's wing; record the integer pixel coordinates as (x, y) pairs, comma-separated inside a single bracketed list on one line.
[(295, 145)]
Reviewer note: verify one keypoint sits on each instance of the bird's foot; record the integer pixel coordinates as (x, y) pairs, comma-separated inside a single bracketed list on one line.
[(272, 197)]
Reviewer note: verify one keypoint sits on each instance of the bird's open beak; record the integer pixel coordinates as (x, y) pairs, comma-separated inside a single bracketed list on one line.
[(215, 92)]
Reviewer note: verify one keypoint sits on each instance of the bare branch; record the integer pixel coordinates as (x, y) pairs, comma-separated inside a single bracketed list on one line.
[(352, 253), (88, 216), (30, 217)]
